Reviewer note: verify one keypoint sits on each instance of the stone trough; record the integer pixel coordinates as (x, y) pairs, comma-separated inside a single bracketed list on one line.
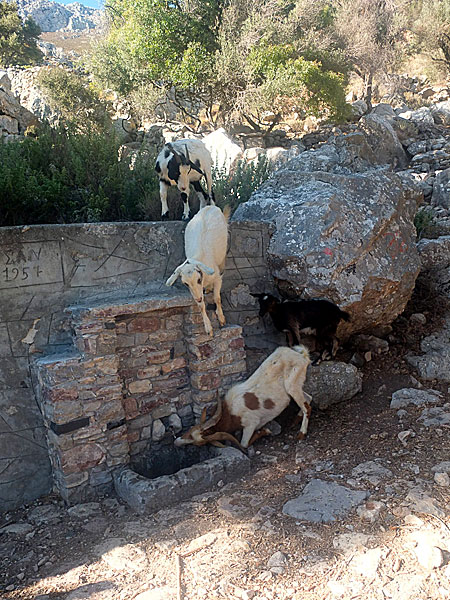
[(173, 475)]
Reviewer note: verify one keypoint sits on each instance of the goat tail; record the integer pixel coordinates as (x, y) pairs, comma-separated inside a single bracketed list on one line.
[(303, 350), (227, 212)]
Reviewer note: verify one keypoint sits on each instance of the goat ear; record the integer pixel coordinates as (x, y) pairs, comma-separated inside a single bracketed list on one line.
[(206, 270), (173, 277)]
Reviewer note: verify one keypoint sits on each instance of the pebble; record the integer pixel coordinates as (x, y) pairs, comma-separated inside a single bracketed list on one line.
[(442, 479)]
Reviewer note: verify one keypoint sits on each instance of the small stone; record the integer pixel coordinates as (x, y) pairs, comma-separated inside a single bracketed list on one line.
[(403, 436), (442, 479), (158, 431), (419, 318), (370, 510), (84, 511), (278, 559)]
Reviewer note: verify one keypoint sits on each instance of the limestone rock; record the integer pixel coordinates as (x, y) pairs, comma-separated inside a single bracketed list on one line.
[(51, 16), (383, 139), (368, 269), (331, 382), (434, 363), (441, 112), (408, 396), (323, 502), (441, 189), (224, 151)]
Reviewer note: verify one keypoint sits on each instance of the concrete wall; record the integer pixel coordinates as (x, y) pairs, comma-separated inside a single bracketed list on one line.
[(45, 269)]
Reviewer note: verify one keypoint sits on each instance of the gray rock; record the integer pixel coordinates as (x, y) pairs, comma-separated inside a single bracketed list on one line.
[(442, 479), (348, 542), (331, 382), (359, 108), (384, 110), (434, 254), (158, 431), (408, 396), (436, 416), (421, 116), (419, 501), (44, 514), (84, 511), (323, 502), (312, 239), (442, 467), (441, 112), (371, 471), (441, 189), (384, 141), (434, 363), (404, 587), (17, 528), (51, 16)]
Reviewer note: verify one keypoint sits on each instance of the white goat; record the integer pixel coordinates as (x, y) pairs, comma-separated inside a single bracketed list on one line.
[(205, 244), (181, 163), (253, 403)]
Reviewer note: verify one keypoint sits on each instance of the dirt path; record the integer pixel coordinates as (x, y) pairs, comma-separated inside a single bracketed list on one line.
[(236, 542)]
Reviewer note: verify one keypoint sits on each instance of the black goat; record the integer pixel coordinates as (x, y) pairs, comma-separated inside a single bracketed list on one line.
[(317, 316)]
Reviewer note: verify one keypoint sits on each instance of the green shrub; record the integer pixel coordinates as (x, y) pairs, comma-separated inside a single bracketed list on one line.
[(66, 177), (236, 188)]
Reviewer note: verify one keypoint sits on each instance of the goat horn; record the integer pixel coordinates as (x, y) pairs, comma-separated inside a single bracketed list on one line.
[(223, 435), (215, 418), (190, 163), (203, 416)]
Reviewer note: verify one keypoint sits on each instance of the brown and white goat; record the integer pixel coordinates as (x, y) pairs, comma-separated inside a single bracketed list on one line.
[(253, 403)]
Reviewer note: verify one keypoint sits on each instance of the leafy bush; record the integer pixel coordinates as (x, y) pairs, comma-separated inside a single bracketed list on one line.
[(17, 39), (238, 186), (65, 177), (77, 102)]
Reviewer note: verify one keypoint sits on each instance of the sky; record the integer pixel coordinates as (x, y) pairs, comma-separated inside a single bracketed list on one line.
[(90, 3)]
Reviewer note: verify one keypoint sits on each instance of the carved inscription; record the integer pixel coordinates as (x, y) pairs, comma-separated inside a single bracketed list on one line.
[(30, 263)]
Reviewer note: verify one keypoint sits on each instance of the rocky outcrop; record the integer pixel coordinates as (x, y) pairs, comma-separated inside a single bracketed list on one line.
[(51, 16), (341, 233), (14, 118), (23, 84)]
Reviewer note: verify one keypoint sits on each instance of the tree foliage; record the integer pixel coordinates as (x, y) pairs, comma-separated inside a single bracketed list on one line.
[(431, 29), (243, 55), (71, 95), (17, 39)]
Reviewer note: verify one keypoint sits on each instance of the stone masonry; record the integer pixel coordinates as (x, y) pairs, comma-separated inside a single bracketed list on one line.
[(137, 373), (45, 269)]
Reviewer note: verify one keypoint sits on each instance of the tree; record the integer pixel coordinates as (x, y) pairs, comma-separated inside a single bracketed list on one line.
[(370, 32), (431, 28), (242, 55), (17, 39)]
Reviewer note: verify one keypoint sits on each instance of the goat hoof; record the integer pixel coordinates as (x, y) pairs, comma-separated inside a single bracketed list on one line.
[(165, 216), (185, 218), (301, 436)]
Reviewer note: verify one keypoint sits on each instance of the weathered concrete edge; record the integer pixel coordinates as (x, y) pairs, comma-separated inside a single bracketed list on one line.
[(150, 495)]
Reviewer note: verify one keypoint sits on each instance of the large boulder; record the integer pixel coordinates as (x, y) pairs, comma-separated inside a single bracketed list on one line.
[(224, 152), (349, 238), (383, 140)]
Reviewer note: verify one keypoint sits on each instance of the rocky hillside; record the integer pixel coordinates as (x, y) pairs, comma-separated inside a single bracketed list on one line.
[(51, 16)]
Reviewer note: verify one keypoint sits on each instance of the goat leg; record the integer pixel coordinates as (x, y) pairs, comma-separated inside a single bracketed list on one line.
[(218, 301), (206, 321)]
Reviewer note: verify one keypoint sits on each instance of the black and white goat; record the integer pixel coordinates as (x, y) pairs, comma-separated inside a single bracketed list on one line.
[(253, 403), (181, 163), (317, 316)]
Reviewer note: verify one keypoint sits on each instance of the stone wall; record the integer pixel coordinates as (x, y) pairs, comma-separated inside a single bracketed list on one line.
[(64, 289)]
